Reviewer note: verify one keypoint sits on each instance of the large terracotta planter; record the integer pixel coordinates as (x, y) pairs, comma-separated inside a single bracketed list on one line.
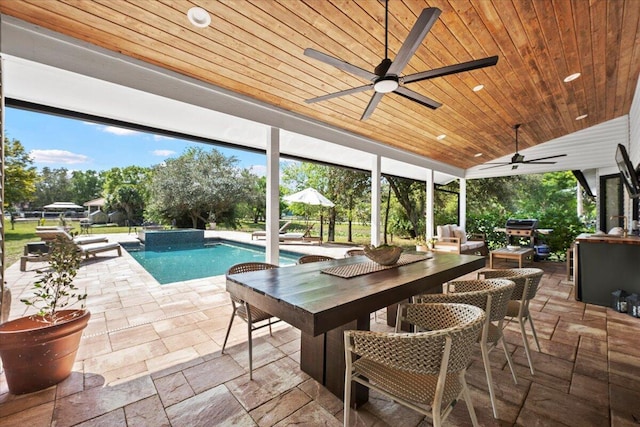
[(35, 354)]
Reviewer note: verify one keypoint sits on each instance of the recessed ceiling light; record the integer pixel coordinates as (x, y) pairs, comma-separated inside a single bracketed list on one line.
[(199, 17), (441, 137), (478, 88), (584, 116), (571, 78), (477, 155)]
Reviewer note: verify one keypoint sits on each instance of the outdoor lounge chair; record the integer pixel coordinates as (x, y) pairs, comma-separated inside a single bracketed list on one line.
[(92, 249), (263, 233), (299, 237), (50, 235)]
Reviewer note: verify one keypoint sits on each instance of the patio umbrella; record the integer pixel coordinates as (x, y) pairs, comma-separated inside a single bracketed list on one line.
[(310, 196)]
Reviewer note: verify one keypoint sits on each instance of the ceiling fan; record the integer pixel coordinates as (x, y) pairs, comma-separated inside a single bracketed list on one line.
[(518, 159), (386, 76)]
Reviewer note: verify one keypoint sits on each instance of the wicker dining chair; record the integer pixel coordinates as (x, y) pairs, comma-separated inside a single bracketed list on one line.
[(353, 252), (491, 295), (424, 371), (251, 315), (306, 259), (527, 281)]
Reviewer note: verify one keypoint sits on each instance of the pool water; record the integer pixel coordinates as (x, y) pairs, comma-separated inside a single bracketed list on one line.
[(187, 262)]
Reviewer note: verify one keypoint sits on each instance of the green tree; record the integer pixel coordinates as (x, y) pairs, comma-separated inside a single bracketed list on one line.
[(20, 175), (411, 195), (198, 185), (86, 186), (350, 189), (126, 190), (54, 185)]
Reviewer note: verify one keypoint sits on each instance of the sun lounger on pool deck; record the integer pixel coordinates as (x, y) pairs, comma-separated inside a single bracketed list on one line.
[(299, 237), (50, 235), (262, 233), (94, 248)]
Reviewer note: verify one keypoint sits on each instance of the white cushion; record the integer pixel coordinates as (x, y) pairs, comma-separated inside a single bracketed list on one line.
[(460, 234), (443, 231), (472, 244)]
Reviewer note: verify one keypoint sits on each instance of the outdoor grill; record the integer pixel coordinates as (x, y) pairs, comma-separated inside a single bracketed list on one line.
[(527, 228)]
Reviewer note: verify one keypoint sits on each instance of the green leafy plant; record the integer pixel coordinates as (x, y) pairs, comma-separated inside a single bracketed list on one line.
[(54, 290)]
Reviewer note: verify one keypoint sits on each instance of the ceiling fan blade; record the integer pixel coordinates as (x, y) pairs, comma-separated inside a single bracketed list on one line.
[(417, 34), (545, 158), (337, 94), (451, 69), (531, 162), (375, 100), (416, 97), (495, 165), (339, 63)]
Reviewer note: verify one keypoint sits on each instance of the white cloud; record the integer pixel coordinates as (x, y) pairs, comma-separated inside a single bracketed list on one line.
[(163, 153), (259, 170), (118, 131), (161, 137), (58, 156)]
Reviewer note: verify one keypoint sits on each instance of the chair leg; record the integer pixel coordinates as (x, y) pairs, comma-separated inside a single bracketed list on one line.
[(466, 395), (487, 370), (521, 321), (249, 330), (509, 361), (347, 396), (533, 329), (228, 329)]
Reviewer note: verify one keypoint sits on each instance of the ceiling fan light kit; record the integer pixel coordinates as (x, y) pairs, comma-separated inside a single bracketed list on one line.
[(386, 77)]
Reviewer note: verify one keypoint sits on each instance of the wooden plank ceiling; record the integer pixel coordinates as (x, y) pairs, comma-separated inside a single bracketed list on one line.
[(255, 47)]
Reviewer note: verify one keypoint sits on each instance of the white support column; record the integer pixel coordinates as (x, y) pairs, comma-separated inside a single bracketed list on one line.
[(463, 203), (375, 201), (273, 196), (429, 220)]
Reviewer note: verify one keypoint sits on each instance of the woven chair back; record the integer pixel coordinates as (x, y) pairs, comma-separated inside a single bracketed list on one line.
[(422, 352), (477, 293), (246, 267), (519, 276), (306, 259)]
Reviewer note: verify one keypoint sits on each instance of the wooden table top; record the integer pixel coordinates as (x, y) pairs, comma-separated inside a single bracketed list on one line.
[(315, 302), (520, 251)]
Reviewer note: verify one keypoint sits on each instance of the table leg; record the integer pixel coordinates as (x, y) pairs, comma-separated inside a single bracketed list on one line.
[(490, 259), (322, 358), (520, 261)]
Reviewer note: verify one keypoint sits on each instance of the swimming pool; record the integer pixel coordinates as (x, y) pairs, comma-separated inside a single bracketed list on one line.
[(187, 261)]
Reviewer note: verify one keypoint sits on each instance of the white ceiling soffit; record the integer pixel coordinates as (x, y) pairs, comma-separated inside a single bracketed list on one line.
[(80, 77), (590, 148)]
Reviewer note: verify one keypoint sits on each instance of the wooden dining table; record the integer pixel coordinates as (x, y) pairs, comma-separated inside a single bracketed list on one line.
[(322, 306)]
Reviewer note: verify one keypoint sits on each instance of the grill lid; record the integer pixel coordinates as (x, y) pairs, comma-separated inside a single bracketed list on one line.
[(521, 224)]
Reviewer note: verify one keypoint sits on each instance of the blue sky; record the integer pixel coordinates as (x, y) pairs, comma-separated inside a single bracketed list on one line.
[(57, 142)]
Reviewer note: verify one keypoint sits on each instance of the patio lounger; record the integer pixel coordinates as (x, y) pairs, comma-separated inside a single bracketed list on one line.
[(263, 233), (301, 237), (50, 235), (95, 248)]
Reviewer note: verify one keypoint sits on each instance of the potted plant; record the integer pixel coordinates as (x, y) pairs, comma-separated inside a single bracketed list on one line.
[(39, 350), (212, 221)]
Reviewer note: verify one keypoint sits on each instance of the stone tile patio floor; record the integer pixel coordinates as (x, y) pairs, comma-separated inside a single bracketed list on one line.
[(151, 357)]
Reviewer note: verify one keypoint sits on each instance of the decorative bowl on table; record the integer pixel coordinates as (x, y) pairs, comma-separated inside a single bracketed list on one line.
[(383, 254)]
